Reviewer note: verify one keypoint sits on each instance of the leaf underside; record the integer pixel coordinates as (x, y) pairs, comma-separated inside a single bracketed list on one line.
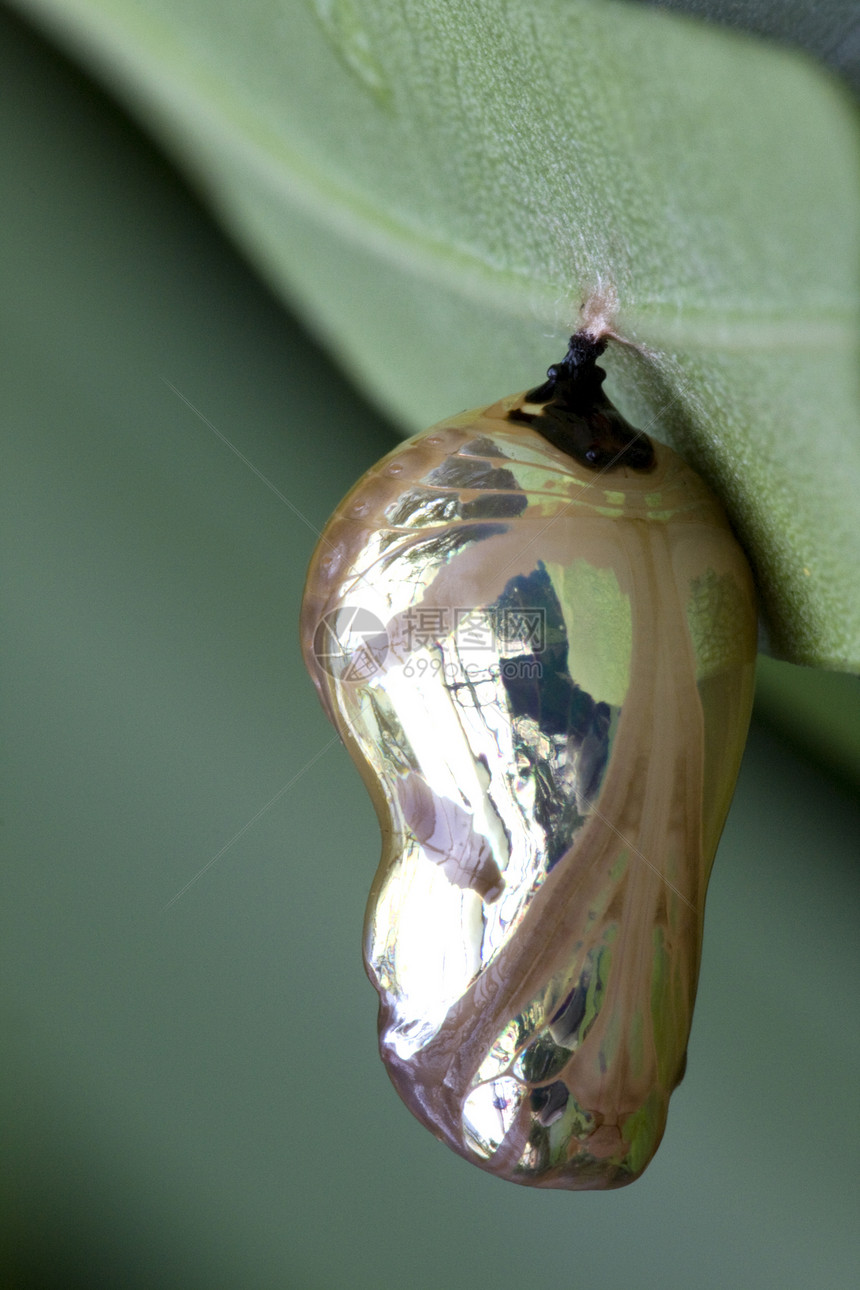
[(440, 187)]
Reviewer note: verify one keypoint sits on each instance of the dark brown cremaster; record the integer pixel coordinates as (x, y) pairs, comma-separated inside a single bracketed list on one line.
[(572, 412)]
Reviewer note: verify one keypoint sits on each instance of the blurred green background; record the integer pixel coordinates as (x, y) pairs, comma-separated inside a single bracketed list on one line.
[(192, 1095)]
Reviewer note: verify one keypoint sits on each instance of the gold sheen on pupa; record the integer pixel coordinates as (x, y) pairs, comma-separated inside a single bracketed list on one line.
[(536, 633)]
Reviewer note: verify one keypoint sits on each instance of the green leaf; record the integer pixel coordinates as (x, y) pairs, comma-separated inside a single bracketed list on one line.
[(440, 186), (825, 28)]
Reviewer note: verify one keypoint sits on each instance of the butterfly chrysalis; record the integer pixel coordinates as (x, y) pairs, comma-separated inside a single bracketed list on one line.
[(535, 632)]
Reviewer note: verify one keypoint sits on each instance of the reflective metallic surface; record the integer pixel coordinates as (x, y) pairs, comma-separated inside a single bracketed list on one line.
[(545, 676)]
